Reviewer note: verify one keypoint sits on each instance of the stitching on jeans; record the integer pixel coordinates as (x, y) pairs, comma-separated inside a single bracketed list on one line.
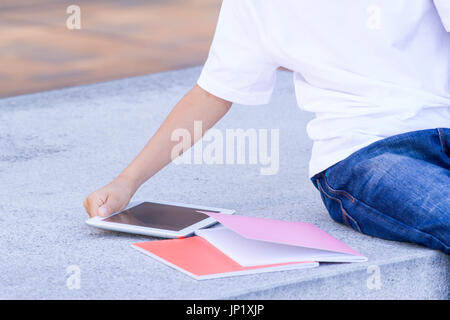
[(344, 216), (442, 140), (342, 192), (344, 213)]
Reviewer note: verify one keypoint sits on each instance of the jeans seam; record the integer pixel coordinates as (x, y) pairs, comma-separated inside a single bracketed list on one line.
[(344, 212), (442, 140), (344, 193)]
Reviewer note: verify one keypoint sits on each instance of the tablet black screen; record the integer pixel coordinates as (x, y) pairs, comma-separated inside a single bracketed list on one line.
[(159, 216)]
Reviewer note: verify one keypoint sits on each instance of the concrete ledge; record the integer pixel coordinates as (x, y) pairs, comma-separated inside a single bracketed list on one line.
[(58, 146)]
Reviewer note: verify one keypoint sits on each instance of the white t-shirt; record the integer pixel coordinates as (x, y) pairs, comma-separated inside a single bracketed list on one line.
[(368, 69)]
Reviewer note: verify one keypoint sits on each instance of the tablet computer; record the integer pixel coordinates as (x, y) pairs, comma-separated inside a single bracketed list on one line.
[(159, 219)]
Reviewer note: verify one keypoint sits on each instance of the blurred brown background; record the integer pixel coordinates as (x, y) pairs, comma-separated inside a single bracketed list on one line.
[(117, 39)]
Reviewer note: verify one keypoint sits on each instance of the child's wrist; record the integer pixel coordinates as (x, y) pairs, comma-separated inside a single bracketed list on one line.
[(131, 182)]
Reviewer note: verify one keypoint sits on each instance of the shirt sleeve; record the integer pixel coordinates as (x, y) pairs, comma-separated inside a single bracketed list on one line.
[(443, 9), (238, 68)]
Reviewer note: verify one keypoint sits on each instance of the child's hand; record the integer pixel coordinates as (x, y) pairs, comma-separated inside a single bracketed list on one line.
[(109, 199)]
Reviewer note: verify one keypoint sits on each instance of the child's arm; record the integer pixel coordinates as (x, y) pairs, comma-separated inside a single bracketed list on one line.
[(197, 104)]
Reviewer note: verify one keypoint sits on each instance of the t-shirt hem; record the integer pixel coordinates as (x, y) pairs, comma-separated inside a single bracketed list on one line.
[(316, 166), (315, 169)]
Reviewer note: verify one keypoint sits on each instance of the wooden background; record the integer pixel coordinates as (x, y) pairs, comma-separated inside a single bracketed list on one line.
[(117, 39)]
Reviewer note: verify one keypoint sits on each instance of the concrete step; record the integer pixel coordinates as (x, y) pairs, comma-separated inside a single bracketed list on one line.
[(58, 146)]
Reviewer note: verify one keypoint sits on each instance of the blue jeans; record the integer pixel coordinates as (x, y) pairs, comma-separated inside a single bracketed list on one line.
[(397, 188)]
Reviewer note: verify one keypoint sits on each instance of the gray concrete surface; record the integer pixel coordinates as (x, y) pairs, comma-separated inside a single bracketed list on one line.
[(58, 146)]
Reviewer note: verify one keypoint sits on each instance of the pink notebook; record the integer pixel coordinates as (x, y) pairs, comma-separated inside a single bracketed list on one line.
[(244, 245)]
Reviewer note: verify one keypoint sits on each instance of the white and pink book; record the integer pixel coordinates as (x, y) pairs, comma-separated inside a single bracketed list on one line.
[(247, 245)]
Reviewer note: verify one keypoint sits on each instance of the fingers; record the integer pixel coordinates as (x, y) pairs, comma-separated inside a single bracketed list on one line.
[(107, 200), (93, 202), (104, 210), (110, 206)]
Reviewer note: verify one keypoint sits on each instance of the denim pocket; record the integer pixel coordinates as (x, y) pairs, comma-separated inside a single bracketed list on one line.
[(334, 202)]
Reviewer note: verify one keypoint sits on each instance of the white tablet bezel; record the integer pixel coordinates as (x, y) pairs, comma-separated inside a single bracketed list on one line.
[(163, 233)]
